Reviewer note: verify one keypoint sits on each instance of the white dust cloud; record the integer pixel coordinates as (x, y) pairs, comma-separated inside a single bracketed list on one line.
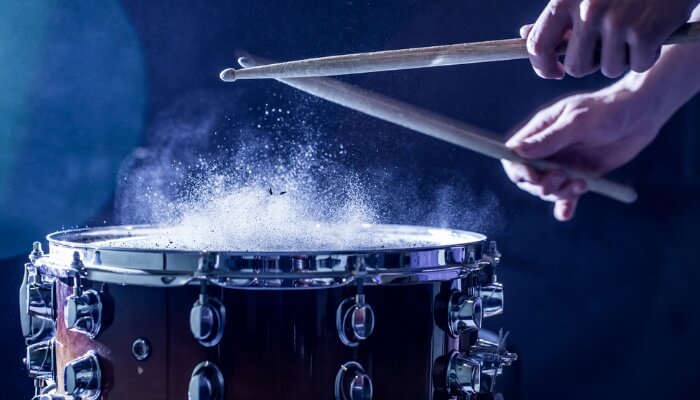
[(216, 181)]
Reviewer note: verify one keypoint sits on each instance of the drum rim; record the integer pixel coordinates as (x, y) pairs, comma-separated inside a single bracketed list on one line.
[(254, 270), (55, 240)]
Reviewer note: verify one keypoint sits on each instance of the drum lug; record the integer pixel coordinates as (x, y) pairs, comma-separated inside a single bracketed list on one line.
[(492, 299), (44, 387), (474, 372), (465, 313), (83, 312), (36, 301), (40, 300), (82, 377), (206, 383), (207, 319), (38, 296), (463, 374), (354, 320), (41, 360), (491, 291), (352, 383), (492, 255), (492, 355)]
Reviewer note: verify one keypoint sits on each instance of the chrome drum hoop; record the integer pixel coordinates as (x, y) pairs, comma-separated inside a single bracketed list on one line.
[(453, 258)]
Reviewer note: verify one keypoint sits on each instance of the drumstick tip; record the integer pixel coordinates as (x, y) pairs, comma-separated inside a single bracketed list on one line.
[(228, 75)]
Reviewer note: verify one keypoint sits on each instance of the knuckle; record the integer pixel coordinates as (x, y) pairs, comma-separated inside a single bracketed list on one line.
[(644, 36), (558, 5), (575, 70), (611, 72), (535, 46), (594, 9), (614, 22)]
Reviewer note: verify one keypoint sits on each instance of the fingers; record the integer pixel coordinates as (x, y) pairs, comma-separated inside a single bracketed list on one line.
[(612, 36), (567, 200), (549, 185), (545, 37), (643, 53), (546, 142), (525, 30), (564, 209), (553, 186), (580, 57), (540, 121), (613, 56), (518, 172)]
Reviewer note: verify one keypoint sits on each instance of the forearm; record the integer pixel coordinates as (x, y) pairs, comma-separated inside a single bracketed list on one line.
[(671, 82)]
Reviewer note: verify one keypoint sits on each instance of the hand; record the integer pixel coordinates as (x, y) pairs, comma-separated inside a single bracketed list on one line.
[(591, 132), (629, 34)]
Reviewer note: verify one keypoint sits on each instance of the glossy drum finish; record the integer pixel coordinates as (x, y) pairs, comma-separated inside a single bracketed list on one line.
[(400, 333)]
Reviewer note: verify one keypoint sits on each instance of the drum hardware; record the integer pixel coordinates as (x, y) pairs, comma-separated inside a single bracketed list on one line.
[(471, 260), (207, 319), (40, 291), (82, 377), (451, 271), (82, 311), (43, 386), (352, 383), (301, 265), (167, 280), (493, 356), (40, 300), (141, 349), (37, 296), (492, 255), (37, 252), (354, 320), (97, 258), (491, 291), (36, 301), (206, 383), (465, 313), (462, 375), (77, 264), (208, 262), (474, 372), (492, 299), (41, 360)]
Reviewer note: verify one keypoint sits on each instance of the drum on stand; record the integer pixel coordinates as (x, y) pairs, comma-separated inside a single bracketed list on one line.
[(122, 312)]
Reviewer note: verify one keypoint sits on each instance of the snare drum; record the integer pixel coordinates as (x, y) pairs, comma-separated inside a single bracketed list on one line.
[(116, 313)]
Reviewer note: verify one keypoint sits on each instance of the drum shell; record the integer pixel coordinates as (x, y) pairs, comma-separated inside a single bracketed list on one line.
[(280, 344)]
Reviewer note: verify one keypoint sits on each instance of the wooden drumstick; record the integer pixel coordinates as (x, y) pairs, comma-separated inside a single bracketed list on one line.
[(421, 57), (437, 126)]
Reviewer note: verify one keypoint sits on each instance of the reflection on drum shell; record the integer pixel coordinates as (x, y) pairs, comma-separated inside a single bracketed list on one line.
[(280, 343)]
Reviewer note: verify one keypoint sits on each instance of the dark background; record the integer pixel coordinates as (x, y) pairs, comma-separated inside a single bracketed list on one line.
[(600, 307)]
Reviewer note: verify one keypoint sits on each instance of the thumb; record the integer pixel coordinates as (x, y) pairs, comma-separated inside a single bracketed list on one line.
[(545, 142), (525, 30)]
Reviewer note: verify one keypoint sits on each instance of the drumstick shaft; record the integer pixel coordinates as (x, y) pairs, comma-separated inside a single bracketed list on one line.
[(422, 57), (437, 126)]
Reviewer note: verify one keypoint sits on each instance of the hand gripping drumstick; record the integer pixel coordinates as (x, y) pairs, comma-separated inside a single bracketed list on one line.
[(421, 57), (437, 126)]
